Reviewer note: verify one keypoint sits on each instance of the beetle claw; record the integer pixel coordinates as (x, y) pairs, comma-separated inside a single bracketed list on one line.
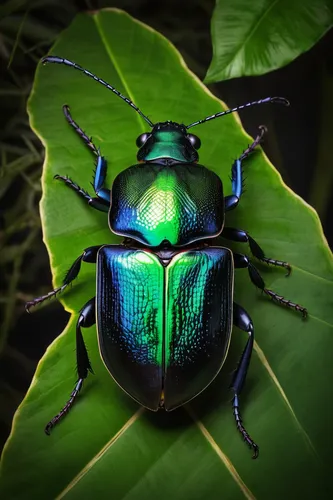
[(255, 449)]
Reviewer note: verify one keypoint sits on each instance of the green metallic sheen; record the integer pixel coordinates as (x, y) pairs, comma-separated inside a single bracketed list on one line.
[(180, 203), (130, 320), (164, 329), (168, 141), (168, 144), (198, 324)]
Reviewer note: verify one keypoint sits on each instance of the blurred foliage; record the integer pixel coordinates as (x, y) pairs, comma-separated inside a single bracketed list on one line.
[(24, 38), (253, 38)]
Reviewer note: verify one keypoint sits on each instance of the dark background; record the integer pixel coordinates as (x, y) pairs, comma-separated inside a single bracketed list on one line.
[(298, 144)]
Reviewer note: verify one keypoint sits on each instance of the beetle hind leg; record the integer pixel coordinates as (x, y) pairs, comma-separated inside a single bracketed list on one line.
[(233, 234), (87, 318), (88, 255), (242, 261), (243, 321)]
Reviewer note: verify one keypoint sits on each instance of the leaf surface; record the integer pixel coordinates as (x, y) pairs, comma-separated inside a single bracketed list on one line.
[(108, 447), (253, 38)]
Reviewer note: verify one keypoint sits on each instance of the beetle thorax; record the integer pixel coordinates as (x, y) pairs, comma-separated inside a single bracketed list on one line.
[(169, 141)]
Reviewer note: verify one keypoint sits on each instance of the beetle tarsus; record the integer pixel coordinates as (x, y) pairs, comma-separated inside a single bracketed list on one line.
[(82, 192), (78, 129), (239, 423), (255, 143), (279, 263), (88, 255), (97, 203), (242, 261), (285, 302), (55, 420), (42, 298), (242, 236)]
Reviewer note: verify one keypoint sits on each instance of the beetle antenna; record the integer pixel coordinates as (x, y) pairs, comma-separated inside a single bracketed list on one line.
[(278, 100), (60, 60)]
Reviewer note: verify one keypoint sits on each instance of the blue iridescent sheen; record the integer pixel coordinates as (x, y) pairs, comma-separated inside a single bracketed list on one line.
[(164, 332), (180, 203), (236, 181)]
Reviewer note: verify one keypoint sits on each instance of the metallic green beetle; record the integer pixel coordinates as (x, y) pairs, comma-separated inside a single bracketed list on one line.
[(164, 301)]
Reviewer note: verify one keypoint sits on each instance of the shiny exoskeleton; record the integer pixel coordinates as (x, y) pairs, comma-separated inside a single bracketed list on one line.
[(164, 298)]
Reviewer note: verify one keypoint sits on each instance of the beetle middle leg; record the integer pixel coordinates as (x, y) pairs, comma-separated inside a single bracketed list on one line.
[(242, 261), (243, 321), (87, 318), (237, 180), (88, 255), (102, 200), (233, 234)]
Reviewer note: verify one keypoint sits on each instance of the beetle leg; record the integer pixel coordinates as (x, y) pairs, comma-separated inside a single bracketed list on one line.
[(97, 203), (237, 180), (88, 255), (103, 194), (87, 318), (243, 321), (87, 140), (231, 233), (242, 261)]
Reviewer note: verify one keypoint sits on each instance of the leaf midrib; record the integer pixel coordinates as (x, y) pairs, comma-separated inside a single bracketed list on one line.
[(116, 66), (250, 34), (204, 431)]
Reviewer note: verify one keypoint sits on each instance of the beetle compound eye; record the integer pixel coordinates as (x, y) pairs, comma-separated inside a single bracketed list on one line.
[(194, 140), (142, 139)]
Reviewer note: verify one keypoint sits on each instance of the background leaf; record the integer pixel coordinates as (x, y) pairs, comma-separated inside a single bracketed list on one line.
[(252, 38), (108, 447)]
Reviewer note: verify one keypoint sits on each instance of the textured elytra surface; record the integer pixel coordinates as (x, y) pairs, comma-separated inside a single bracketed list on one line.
[(106, 445), (178, 203), (198, 319), (130, 301), (164, 330)]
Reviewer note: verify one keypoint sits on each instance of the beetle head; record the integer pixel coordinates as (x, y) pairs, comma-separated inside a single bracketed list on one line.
[(168, 140)]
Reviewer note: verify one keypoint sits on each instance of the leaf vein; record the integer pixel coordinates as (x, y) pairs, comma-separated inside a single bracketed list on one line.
[(116, 65), (276, 382), (252, 30), (101, 453), (222, 456)]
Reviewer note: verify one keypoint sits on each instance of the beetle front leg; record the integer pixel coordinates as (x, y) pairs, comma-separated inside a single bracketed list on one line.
[(96, 203), (237, 180), (102, 201), (242, 261), (87, 318), (243, 321), (233, 234), (88, 255)]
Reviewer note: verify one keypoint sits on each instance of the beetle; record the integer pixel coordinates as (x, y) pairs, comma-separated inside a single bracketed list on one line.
[(164, 304)]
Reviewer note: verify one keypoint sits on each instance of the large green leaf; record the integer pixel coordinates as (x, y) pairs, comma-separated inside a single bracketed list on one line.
[(108, 447), (254, 37)]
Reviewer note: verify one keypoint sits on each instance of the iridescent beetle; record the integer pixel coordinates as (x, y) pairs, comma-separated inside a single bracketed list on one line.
[(164, 300)]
